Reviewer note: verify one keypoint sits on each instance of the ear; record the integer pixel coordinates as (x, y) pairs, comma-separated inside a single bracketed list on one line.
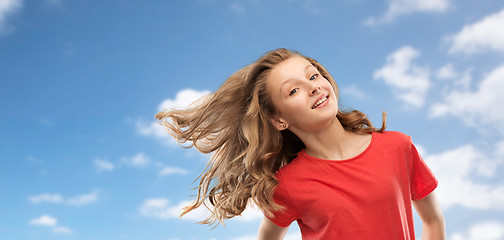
[(279, 123)]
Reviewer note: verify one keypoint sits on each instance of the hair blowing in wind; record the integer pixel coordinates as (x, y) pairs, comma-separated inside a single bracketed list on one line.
[(234, 124)]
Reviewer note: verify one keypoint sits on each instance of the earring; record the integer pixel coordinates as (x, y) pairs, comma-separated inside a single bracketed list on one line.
[(284, 125)]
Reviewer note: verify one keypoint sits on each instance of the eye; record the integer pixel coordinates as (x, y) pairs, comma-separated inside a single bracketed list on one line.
[(313, 76), (293, 91)]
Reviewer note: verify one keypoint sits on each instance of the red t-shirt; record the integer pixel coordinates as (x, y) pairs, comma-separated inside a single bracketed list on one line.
[(365, 197)]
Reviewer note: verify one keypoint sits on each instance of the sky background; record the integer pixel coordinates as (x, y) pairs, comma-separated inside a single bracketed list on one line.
[(83, 158)]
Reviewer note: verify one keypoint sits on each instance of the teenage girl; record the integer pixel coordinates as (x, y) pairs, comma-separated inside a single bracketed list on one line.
[(279, 139)]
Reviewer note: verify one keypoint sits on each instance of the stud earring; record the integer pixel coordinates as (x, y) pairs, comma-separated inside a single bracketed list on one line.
[(284, 125)]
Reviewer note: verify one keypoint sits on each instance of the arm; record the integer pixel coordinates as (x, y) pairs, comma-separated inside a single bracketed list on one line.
[(270, 231), (433, 221)]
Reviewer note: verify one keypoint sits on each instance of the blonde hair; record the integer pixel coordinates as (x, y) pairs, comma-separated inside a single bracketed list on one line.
[(234, 124)]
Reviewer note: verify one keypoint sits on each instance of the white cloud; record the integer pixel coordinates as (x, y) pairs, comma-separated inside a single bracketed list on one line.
[(46, 121), (482, 231), (248, 237), (155, 130), (237, 8), (457, 170), (481, 36), (465, 81), (408, 81), (251, 213), (397, 8), (313, 7), (480, 108), (499, 152), (183, 98), (44, 220), (8, 8), (353, 91), (35, 159), (103, 165), (80, 200), (139, 160), (156, 207), (63, 230), (166, 171), (55, 3), (46, 197), (290, 236), (161, 208), (48, 221), (447, 72), (293, 236)]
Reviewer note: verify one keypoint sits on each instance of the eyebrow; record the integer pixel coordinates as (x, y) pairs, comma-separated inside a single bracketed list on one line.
[(288, 80)]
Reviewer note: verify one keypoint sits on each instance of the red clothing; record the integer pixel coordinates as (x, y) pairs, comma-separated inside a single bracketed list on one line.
[(365, 197)]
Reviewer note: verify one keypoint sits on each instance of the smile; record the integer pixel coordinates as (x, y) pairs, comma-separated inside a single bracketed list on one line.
[(322, 100)]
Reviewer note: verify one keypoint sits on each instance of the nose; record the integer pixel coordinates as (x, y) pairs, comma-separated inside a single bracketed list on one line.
[(315, 89)]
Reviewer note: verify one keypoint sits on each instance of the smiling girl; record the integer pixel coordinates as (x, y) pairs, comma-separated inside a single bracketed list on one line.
[(280, 140)]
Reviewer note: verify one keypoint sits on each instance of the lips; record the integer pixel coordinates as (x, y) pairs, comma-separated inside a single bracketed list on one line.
[(319, 101)]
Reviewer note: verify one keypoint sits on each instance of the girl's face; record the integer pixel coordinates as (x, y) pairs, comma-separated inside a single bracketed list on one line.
[(303, 99)]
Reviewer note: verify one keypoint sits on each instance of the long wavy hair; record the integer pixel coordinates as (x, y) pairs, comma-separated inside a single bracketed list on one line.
[(234, 124)]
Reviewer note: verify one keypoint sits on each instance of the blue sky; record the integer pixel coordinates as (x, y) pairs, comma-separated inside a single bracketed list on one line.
[(82, 157)]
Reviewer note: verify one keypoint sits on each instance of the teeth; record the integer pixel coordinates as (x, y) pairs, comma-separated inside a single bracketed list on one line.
[(320, 102)]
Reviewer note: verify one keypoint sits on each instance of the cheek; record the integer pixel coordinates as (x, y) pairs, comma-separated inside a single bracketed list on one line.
[(290, 111)]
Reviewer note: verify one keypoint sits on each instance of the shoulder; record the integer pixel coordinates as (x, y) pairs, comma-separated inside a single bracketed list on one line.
[(290, 167), (394, 137), (294, 168)]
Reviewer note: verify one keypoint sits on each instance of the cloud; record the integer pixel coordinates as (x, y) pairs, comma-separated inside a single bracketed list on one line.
[(8, 8), (139, 160), (291, 236), (353, 91), (481, 36), (46, 197), (55, 3), (313, 7), (183, 98), (248, 237), (46, 121), (478, 108), (162, 209), (103, 165), (44, 220), (155, 130), (237, 8), (457, 171), (48, 221), (35, 159), (408, 81), (447, 72), (166, 171), (397, 8), (500, 149), (482, 231), (80, 200), (63, 230)]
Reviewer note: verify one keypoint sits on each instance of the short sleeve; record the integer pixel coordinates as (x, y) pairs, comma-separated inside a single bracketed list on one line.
[(285, 217), (423, 181)]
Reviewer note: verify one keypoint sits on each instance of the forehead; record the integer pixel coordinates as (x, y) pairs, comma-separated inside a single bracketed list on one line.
[(291, 68)]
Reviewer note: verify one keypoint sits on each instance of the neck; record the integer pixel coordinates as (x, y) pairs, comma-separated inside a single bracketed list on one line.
[(327, 143)]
